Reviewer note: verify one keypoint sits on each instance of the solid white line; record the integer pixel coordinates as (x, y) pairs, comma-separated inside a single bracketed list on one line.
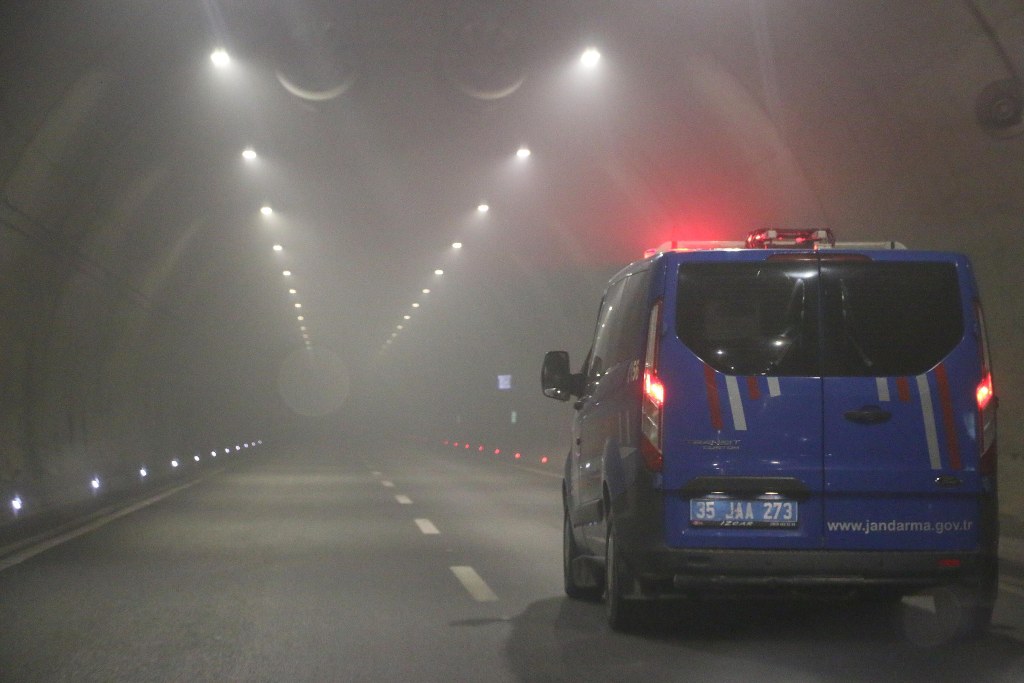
[(426, 526), (387, 484), (43, 546), (403, 500), (476, 586), (1011, 589)]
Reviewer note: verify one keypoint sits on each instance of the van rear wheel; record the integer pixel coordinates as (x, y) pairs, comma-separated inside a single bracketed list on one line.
[(966, 609), (621, 611)]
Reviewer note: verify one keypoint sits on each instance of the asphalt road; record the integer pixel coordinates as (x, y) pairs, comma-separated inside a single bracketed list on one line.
[(344, 562)]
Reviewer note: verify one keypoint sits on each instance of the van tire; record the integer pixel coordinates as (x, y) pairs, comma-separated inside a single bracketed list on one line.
[(969, 608), (581, 583), (621, 611)]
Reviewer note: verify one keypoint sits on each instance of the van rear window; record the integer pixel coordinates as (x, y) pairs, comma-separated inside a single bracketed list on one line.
[(889, 318), (853, 318), (750, 318)]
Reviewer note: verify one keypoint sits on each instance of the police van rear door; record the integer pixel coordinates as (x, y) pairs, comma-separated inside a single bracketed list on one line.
[(739, 361), (900, 457)]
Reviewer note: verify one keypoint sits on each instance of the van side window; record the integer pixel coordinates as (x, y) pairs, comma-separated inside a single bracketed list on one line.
[(607, 319), (621, 324)]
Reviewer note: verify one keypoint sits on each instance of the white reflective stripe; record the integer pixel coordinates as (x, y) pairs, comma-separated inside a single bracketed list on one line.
[(773, 386), (739, 420), (930, 433), (883, 388)]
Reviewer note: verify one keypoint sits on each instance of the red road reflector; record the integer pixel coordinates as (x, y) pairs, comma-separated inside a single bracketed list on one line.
[(543, 460), (518, 455)]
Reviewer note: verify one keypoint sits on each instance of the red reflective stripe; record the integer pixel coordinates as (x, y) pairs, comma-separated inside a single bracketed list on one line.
[(948, 423), (712, 388), (903, 389), (755, 391)]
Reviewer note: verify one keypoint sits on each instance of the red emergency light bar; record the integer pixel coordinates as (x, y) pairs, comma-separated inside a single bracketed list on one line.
[(797, 239), (775, 239)]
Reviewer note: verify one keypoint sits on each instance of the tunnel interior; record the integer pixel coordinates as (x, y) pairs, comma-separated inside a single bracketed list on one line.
[(146, 315)]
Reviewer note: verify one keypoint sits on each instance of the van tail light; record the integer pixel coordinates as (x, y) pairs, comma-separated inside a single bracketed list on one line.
[(987, 403), (653, 400), (984, 391)]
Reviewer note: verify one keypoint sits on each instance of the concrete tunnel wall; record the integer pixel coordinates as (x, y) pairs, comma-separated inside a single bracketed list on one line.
[(104, 368), (106, 230)]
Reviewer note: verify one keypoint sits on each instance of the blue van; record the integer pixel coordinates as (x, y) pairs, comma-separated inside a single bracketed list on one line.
[(783, 415)]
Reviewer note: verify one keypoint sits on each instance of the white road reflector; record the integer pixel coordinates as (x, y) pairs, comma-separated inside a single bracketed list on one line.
[(43, 546), (403, 500), (476, 586), (426, 526), (387, 484)]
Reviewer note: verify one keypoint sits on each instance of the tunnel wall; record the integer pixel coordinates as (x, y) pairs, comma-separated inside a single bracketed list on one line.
[(97, 378)]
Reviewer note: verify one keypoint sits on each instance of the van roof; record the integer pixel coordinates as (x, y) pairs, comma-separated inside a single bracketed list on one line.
[(775, 239)]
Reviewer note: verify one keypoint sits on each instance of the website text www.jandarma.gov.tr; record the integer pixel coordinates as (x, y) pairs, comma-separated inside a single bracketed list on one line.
[(898, 526)]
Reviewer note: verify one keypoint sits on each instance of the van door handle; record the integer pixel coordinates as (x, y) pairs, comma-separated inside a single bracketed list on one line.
[(868, 415)]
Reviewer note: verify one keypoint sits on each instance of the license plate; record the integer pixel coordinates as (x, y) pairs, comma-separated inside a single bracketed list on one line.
[(757, 513)]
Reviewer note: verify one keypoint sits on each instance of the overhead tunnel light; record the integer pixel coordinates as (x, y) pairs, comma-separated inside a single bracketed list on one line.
[(249, 154), (483, 208), (220, 58), (266, 210), (523, 152), (590, 57), (16, 504)]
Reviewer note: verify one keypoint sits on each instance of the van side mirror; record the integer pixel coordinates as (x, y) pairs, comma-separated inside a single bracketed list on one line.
[(557, 381)]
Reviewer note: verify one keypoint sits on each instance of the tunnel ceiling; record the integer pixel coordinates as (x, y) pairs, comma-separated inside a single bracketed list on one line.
[(135, 246)]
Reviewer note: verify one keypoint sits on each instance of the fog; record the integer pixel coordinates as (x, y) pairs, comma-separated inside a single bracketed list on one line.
[(145, 307)]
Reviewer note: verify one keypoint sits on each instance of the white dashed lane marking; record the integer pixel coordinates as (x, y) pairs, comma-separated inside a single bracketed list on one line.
[(426, 526), (476, 586), (387, 484), (404, 500)]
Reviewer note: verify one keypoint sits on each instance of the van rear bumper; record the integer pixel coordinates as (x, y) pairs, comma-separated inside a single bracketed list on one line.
[(706, 569)]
